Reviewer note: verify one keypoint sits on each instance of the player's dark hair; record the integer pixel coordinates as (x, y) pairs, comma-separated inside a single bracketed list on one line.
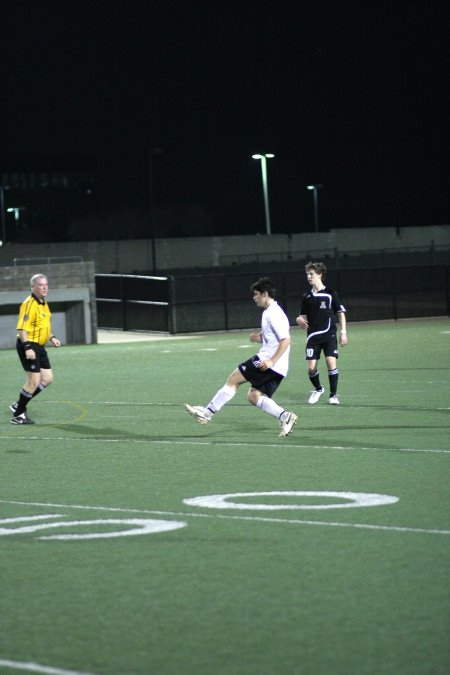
[(264, 285), (317, 267)]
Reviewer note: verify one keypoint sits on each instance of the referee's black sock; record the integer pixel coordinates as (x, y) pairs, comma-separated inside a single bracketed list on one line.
[(22, 402), (315, 380), (38, 389)]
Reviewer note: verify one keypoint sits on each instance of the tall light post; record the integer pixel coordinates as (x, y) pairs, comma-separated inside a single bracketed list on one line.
[(151, 154), (3, 213), (264, 159), (316, 188)]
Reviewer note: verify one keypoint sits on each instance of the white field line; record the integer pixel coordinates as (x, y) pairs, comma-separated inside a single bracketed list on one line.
[(215, 444), (183, 514), (38, 668), (154, 404)]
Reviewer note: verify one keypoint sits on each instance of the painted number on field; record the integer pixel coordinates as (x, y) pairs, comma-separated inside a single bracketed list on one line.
[(344, 500), (108, 528), (127, 527)]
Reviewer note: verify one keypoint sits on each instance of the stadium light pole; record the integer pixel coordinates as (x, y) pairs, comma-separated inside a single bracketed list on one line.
[(264, 159), (152, 153), (3, 213), (315, 189)]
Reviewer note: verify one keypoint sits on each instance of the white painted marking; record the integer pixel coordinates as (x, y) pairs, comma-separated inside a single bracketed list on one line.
[(20, 519), (38, 668), (357, 499), (220, 516), (143, 526), (220, 443)]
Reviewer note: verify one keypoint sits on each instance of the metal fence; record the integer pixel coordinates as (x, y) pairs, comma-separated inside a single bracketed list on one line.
[(133, 302), (208, 302)]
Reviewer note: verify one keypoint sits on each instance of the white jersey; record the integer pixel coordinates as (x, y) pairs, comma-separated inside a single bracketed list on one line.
[(275, 327)]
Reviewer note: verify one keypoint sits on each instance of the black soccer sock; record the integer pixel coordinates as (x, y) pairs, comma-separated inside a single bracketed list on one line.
[(333, 376), (22, 402), (38, 389), (315, 380)]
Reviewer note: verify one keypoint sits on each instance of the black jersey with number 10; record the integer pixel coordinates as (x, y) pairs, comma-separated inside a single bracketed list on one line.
[(321, 308)]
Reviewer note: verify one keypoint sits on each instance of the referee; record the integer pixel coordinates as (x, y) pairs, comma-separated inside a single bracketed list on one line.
[(33, 333)]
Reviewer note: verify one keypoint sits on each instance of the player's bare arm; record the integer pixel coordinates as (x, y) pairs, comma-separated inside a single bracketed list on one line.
[(343, 331), (268, 363)]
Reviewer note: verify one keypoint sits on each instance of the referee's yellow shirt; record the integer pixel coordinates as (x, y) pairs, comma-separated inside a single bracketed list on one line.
[(34, 317)]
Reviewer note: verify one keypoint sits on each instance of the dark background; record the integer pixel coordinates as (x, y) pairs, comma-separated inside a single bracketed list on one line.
[(348, 94)]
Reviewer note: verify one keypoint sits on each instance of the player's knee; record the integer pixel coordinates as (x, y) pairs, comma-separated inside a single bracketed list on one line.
[(252, 396), (233, 380)]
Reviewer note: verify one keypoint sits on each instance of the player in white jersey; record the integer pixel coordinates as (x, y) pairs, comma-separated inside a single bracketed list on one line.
[(265, 370)]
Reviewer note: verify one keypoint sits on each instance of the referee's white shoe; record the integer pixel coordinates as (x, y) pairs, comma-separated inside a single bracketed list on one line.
[(22, 419)]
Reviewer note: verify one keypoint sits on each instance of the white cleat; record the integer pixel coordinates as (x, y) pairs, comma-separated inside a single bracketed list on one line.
[(315, 395), (288, 424), (198, 412), (333, 400)]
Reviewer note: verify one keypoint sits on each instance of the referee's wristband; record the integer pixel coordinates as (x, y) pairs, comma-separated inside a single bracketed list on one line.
[(27, 346), (52, 336), (343, 332)]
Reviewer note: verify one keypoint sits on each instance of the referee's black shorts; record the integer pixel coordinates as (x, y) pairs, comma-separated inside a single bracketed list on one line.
[(33, 365)]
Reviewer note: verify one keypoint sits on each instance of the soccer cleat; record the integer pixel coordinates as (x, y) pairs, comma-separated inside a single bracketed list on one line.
[(333, 400), (22, 419), (13, 407), (288, 424), (315, 395), (198, 412)]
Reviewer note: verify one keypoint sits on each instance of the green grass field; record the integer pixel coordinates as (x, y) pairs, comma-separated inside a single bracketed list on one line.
[(314, 584)]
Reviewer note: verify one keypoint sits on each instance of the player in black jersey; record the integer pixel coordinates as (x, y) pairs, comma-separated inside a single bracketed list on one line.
[(318, 311)]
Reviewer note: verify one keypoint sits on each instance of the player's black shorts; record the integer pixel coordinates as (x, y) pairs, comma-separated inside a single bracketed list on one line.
[(329, 347), (265, 381), (33, 365)]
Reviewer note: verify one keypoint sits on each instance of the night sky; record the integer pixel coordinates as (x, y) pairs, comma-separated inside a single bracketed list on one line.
[(352, 95)]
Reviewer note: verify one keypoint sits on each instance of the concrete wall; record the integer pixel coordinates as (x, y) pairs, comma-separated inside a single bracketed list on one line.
[(130, 256)]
